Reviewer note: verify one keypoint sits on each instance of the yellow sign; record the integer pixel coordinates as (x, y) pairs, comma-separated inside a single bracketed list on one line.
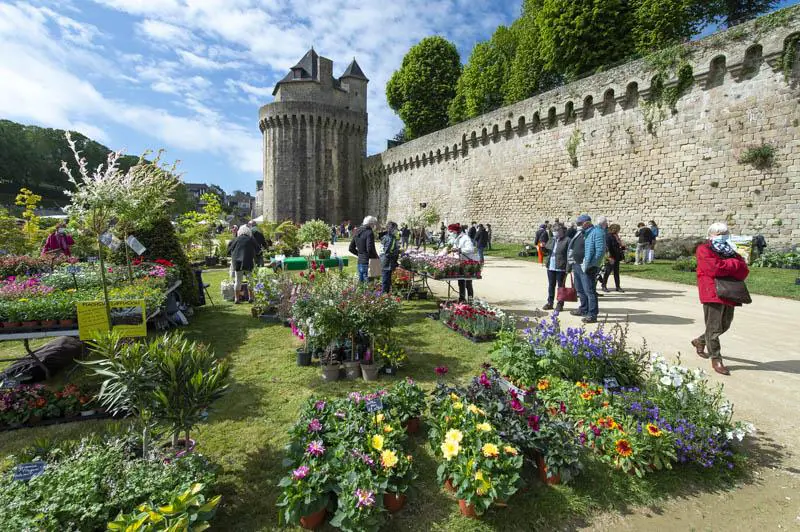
[(127, 318)]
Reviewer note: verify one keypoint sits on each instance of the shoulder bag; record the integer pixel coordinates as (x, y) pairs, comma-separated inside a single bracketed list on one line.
[(732, 290)]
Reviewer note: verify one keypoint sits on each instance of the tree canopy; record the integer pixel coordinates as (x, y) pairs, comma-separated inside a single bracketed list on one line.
[(421, 90)]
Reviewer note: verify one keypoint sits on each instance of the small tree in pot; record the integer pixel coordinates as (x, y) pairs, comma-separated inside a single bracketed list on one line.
[(316, 233)]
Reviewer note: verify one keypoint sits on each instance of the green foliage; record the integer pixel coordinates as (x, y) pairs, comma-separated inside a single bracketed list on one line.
[(84, 485), (528, 74), (789, 55), (288, 239), (731, 12), (314, 231), (759, 156), (685, 264), (779, 259), (660, 23), (572, 146), (12, 238), (186, 511), (666, 63), (420, 91), (29, 201)]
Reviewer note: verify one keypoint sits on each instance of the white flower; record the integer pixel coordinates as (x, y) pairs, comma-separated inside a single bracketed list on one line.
[(729, 435), (677, 380), (665, 380)]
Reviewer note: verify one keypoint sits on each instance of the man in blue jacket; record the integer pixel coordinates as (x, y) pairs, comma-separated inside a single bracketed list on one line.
[(594, 251)]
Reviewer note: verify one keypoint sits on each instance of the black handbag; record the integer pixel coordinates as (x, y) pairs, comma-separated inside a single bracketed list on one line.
[(732, 290)]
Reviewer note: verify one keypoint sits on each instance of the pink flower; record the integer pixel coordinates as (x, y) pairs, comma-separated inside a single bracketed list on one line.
[(300, 473), (315, 425), (316, 448), (533, 423), (441, 370), (484, 380), (364, 498), (517, 406)]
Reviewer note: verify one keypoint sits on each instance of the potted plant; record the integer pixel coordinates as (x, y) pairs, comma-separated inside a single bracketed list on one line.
[(358, 507), (67, 313), (352, 364), (369, 369), (11, 314), (28, 313), (305, 498), (329, 362), (49, 313), (398, 482), (407, 402), (393, 357), (316, 233)]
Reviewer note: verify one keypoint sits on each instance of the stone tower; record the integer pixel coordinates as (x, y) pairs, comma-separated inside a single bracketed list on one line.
[(314, 143)]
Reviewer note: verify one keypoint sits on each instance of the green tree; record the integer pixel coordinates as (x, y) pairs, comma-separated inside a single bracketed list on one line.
[(732, 12), (582, 36), (663, 23), (421, 90), (528, 74), (29, 201), (12, 239)]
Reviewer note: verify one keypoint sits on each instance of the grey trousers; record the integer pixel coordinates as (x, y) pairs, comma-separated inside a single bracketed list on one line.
[(718, 318)]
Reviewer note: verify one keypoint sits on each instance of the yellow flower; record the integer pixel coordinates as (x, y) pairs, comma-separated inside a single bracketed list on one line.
[(23, 300), (458, 405), (490, 450), (543, 384), (510, 450), (473, 409), (479, 475), (484, 427), (377, 442), (454, 435), (378, 419), (653, 430), (453, 396), (450, 449), (387, 429), (388, 459), (409, 458)]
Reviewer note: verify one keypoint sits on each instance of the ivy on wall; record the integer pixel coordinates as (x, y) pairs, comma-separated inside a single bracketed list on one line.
[(668, 62)]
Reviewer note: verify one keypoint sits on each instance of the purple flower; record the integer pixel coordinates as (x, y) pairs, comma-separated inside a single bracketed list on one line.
[(355, 397), (517, 406), (582, 438), (364, 498), (339, 414), (409, 380), (319, 405), (300, 473), (484, 380), (441, 370), (315, 425), (533, 423), (316, 448)]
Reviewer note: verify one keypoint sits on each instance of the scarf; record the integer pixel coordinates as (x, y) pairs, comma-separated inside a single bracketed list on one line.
[(723, 248)]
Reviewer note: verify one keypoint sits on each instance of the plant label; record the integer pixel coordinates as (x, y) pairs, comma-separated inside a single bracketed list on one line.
[(135, 245), (110, 241), (374, 405), (540, 351), (91, 260), (29, 470), (8, 383), (73, 269), (610, 383)]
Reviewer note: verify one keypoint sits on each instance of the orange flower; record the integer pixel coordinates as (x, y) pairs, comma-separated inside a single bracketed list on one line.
[(623, 448), (581, 384), (40, 402), (605, 404), (653, 430), (543, 384), (587, 396)]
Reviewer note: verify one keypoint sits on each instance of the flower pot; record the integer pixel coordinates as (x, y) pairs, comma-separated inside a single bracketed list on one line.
[(369, 372), (352, 369), (87, 413), (467, 510), (390, 370), (549, 480), (49, 324), (31, 324), (412, 425), (313, 521), (394, 502), (330, 372), (34, 420), (303, 357), (448, 485), (66, 324)]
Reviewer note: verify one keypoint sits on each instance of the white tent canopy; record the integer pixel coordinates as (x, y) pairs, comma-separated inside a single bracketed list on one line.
[(259, 219)]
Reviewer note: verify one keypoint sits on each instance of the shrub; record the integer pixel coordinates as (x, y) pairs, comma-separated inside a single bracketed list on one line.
[(777, 259), (685, 264), (672, 248), (759, 156)]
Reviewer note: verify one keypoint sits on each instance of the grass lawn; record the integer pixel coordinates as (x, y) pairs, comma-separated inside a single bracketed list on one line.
[(774, 282), (246, 431)]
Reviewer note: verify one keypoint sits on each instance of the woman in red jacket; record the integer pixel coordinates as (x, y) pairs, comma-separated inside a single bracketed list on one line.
[(716, 258)]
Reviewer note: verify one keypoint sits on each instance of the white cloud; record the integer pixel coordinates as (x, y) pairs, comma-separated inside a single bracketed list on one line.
[(193, 60), (164, 32)]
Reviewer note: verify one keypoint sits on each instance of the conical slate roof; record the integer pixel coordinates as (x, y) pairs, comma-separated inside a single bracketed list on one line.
[(305, 69), (354, 71)]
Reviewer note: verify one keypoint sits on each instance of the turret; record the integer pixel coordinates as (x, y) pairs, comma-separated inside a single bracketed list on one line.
[(355, 82)]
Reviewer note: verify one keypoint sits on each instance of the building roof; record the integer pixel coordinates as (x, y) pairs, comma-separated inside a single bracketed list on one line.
[(307, 69), (354, 71)]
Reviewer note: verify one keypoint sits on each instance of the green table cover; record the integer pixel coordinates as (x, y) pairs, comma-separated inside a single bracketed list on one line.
[(301, 263)]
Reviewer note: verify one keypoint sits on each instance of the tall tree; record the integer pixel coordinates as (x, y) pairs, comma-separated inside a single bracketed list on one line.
[(582, 36), (663, 23), (528, 74), (421, 90), (732, 12)]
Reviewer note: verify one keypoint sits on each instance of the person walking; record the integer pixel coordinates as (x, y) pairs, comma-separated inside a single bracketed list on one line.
[(59, 242), (462, 245), (616, 254), (556, 265), (575, 252), (364, 240), (489, 236), (334, 235), (481, 241), (391, 252), (595, 250), (261, 242), (645, 237), (716, 259), (243, 251), (651, 254), (473, 230), (540, 242), (405, 232)]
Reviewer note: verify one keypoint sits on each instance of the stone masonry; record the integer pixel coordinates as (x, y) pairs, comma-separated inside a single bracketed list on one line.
[(604, 145)]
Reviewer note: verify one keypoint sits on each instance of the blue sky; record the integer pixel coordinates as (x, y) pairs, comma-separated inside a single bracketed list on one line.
[(190, 75)]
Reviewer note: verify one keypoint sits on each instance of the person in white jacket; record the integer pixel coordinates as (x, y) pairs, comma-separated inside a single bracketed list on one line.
[(462, 245)]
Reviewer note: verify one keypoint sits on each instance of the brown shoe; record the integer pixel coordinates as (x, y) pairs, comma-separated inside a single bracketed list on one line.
[(547, 307), (699, 348), (719, 367)]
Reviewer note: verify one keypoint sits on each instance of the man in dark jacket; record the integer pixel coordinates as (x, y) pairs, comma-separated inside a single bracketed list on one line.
[(481, 241), (258, 236), (645, 236), (391, 252), (243, 251), (365, 246), (472, 232), (575, 254)]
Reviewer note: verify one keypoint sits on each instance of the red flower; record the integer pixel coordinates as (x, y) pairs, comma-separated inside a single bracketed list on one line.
[(441, 370), (533, 423)]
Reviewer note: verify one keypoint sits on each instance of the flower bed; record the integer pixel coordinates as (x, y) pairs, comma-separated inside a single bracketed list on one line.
[(478, 321), (341, 446), (86, 484), (14, 265), (31, 403), (441, 266)]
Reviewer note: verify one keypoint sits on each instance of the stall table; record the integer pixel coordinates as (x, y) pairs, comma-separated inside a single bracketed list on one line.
[(302, 263)]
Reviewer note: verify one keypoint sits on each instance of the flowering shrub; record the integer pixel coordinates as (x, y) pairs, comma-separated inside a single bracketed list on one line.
[(338, 445), (15, 265), (440, 266), (19, 404), (478, 320), (13, 288)]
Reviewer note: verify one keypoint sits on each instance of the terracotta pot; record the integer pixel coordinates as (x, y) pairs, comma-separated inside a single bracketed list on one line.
[(30, 324), (412, 425), (394, 502), (467, 510), (66, 324), (49, 324), (448, 485), (313, 521), (549, 480)]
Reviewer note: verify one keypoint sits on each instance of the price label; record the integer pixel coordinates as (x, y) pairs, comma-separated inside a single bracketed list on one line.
[(91, 260), (29, 470), (73, 269), (610, 383), (374, 405), (540, 351), (8, 383)]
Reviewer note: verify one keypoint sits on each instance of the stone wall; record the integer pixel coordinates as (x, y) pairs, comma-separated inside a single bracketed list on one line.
[(599, 145)]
